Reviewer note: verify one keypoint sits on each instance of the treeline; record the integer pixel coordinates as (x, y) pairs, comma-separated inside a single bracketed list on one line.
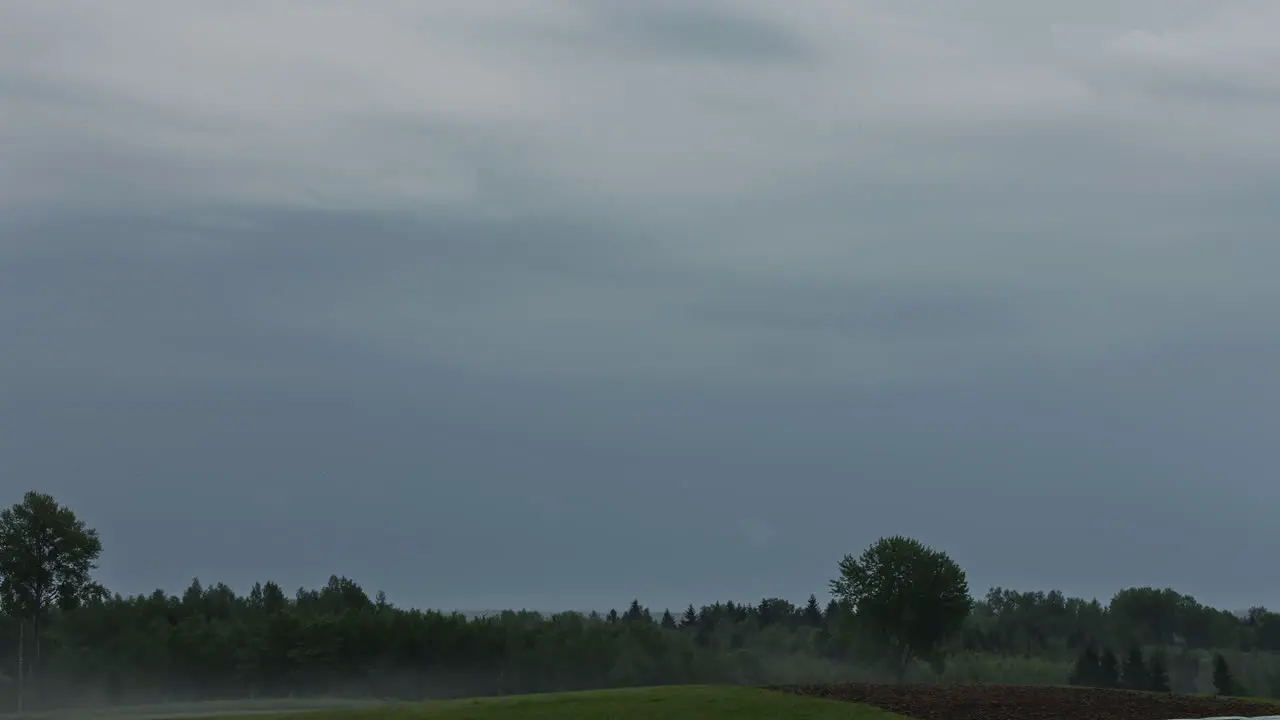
[(1035, 622), (1137, 673), (82, 644), (1142, 672), (212, 643)]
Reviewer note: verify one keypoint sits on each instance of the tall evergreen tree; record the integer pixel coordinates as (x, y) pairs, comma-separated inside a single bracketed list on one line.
[(1223, 681), (1133, 673), (1158, 672), (1087, 670), (634, 613), (812, 613), (668, 622), (690, 617), (1108, 669)]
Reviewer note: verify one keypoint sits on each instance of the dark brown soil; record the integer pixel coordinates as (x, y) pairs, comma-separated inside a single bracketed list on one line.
[(1019, 702)]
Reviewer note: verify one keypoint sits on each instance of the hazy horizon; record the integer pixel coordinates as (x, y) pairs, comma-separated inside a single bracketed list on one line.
[(556, 305)]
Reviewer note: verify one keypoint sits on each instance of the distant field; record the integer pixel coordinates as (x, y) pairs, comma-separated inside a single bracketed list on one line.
[(671, 703), (845, 701), (1034, 702), (220, 708)]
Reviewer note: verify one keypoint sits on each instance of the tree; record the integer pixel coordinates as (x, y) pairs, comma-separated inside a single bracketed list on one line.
[(690, 617), (1087, 670), (775, 611), (668, 622), (273, 599), (909, 596), (1108, 669), (635, 613), (812, 613), (47, 556), (1268, 630), (1158, 673), (832, 613), (1223, 681), (1133, 674)]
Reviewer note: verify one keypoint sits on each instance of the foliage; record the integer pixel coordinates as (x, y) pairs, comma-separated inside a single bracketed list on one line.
[(1088, 668), (906, 596), (1108, 670), (1157, 673), (1133, 674), (1224, 682), (46, 557)]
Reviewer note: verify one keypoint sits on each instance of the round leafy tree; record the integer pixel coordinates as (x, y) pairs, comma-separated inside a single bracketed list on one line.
[(907, 597)]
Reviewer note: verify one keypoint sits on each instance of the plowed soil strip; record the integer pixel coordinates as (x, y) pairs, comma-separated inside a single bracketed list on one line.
[(1019, 702)]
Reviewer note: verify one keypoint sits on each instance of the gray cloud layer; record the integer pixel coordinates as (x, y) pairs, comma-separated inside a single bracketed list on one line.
[(674, 300)]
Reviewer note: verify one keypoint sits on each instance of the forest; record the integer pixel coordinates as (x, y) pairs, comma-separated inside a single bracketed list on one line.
[(81, 644)]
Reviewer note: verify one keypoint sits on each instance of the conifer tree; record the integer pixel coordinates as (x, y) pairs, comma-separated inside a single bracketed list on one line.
[(1158, 673), (812, 612), (1087, 670), (1223, 681), (1108, 669), (1133, 674), (635, 613), (690, 617)]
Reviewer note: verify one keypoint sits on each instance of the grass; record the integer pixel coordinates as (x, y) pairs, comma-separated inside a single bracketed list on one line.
[(199, 709), (667, 703)]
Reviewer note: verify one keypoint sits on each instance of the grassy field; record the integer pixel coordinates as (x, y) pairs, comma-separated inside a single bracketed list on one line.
[(671, 703), (206, 709), (667, 703)]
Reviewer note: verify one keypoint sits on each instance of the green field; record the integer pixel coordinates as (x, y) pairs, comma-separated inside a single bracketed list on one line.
[(669, 703)]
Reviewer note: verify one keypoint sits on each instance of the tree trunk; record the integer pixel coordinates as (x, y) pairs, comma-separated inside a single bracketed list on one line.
[(904, 662), (36, 672), (22, 626)]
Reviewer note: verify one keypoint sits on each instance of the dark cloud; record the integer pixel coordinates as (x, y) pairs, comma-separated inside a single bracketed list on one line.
[(142, 382), (1216, 89), (443, 304), (701, 31), (404, 473), (857, 310)]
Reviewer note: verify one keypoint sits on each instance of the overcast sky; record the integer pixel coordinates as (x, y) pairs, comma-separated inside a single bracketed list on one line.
[(556, 304)]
